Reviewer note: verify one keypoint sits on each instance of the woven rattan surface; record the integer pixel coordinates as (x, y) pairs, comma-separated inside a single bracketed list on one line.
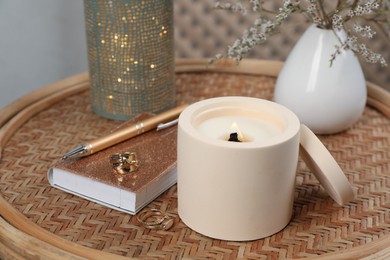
[(319, 226)]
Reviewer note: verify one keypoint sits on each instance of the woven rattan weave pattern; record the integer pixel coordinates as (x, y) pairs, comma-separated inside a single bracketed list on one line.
[(318, 226)]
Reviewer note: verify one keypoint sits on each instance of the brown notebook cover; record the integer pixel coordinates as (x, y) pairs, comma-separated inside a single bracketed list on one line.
[(94, 178)]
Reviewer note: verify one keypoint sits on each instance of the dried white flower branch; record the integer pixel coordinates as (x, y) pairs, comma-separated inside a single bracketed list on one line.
[(351, 16)]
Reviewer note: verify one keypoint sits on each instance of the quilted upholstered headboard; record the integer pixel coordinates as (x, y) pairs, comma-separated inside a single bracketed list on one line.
[(202, 32)]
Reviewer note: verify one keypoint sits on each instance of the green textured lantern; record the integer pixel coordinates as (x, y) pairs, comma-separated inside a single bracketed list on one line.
[(131, 56)]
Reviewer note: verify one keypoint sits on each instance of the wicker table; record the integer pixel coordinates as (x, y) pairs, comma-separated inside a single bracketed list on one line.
[(37, 220)]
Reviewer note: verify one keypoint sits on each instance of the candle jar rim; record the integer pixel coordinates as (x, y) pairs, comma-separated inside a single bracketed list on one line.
[(275, 114)]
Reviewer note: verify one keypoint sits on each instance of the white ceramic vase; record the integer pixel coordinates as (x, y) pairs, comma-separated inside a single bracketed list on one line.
[(328, 99)]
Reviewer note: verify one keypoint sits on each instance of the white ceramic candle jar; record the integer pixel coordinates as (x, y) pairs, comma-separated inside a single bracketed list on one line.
[(237, 190)]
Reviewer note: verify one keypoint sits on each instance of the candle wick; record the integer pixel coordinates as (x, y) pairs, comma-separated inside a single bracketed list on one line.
[(234, 137)]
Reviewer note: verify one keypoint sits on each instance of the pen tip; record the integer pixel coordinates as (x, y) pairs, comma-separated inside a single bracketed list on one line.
[(76, 152)]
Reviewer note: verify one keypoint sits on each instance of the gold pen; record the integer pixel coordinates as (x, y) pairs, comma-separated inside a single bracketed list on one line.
[(126, 133)]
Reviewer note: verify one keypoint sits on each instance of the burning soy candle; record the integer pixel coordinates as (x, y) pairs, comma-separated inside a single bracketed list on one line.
[(238, 184), (226, 190)]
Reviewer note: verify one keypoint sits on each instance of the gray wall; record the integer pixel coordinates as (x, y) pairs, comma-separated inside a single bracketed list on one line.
[(41, 41)]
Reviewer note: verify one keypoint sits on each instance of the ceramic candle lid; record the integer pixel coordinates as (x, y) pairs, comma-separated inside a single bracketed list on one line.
[(324, 167)]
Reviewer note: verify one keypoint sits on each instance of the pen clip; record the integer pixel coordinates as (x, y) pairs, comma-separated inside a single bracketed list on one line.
[(166, 125)]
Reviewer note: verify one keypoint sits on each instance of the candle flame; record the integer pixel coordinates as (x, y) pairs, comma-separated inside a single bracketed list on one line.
[(234, 127)]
